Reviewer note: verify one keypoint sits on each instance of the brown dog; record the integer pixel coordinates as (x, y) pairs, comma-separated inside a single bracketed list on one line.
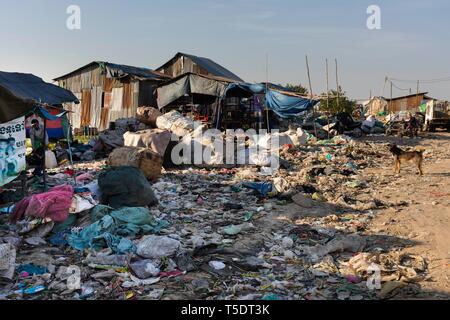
[(401, 156)]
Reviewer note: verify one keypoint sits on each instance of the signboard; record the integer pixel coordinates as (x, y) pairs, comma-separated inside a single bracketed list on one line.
[(12, 150)]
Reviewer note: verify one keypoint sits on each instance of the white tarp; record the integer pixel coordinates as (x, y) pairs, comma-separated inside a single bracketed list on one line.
[(12, 150)]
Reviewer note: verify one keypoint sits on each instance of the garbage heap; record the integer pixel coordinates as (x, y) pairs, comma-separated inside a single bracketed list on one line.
[(124, 228)]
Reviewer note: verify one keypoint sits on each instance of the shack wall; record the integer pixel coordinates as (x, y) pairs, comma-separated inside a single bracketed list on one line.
[(104, 100), (411, 104)]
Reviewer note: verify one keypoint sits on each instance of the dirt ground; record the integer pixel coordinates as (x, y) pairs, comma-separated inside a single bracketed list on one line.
[(425, 220)]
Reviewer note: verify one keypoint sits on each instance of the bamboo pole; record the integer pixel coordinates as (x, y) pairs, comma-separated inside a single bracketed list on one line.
[(391, 98), (417, 96), (311, 95), (267, 90), (44, 178), (337, 83), (328, 99)]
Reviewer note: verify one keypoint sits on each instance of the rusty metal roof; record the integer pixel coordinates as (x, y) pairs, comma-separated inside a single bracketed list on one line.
[(113, 70)]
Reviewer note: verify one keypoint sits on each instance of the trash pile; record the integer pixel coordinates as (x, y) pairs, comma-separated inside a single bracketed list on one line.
[(131, 228)]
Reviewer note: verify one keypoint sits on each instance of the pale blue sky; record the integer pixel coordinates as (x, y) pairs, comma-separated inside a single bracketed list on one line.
[(412, 44)]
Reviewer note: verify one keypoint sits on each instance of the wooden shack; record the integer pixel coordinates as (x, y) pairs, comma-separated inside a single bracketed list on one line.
[(410, 103), (109, 91), (183, 63)]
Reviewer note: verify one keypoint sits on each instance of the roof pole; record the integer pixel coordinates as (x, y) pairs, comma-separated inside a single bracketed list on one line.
[(328, 99), (267, 91), (391, 98), (417, 96), (311, 95), (337, 84), (45, 150)]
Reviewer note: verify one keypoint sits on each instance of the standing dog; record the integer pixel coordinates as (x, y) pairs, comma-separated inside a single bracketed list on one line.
[(401, 156)]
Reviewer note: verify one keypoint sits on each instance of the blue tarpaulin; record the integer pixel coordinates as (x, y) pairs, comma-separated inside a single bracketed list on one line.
[(244, 89), (287, 106), (43, 113), (278, 99)]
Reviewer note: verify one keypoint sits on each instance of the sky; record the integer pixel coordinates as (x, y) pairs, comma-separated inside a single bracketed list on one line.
[(413, 42)]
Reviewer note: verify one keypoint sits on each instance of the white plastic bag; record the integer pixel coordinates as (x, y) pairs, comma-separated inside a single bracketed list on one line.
[(50, 160)]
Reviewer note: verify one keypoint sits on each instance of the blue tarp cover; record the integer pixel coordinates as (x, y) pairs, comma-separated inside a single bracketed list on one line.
[(244, 89), (43, 113), (287, 106), (278, 99)]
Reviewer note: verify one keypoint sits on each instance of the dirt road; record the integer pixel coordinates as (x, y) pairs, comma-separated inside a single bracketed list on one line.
[(425, 220)]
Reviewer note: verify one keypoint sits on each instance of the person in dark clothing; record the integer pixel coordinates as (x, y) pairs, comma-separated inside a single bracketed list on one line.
[(413, 125), (39, 141)]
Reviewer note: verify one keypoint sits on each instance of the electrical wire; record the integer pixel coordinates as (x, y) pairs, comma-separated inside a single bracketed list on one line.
[(429, 81)]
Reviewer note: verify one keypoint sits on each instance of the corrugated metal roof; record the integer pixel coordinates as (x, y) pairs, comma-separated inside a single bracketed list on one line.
[(207, 64), (114, 70), (408, 96), (28, 86)]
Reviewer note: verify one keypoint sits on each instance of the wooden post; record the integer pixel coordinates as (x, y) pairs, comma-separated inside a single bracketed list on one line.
[(337, 83), (69, 131), (328, 87), (390, 107), (417, 96), (328, 99), (311, 96), (267, 90), (43, 160)]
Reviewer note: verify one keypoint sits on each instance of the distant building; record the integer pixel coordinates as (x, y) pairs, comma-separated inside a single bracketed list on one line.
[(410, 103), (184, 63), (109, 91), (375, 106)]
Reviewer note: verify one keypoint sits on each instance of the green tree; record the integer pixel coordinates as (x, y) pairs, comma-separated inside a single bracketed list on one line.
[(298, 89), (344, 105)]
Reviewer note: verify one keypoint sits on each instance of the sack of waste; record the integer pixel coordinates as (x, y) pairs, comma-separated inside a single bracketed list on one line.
[(156, 140), (145, 159), (148, 115), (125, 187)]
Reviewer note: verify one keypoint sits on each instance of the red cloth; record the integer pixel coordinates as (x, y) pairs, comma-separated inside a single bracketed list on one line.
[(54, 204)]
